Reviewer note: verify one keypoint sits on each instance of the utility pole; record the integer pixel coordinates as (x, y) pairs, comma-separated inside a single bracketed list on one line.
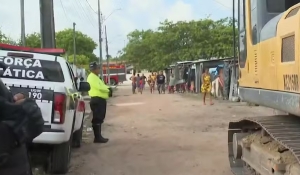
[(74, 48), (22, 23), (234, 34), (107, 59), (100, 40), (47, 24)]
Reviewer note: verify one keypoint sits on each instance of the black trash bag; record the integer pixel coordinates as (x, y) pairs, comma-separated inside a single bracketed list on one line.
[(110, 92)]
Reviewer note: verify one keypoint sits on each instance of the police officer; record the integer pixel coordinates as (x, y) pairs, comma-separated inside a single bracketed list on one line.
[(20, 122), (99, 93)]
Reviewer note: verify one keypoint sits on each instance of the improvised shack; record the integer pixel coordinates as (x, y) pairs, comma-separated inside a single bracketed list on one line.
[(225, 68), (168, 72), (181, 71), (231, 72)]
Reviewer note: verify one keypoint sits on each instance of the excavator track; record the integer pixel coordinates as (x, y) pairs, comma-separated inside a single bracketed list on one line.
[(283, 129)]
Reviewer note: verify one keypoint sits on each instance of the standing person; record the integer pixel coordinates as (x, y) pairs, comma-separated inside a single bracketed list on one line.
[(20, 122), (143, 82), (99, 93), (221, 82), (192, 79), (192, 88), (171, 84), (161, 82), (152, 84), (149, 80), (206, 85), (133, 83), (138, 78), (153, 79), (144, 78)]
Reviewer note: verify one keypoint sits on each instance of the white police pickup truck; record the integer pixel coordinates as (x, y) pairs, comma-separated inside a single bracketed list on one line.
[(49, 80)]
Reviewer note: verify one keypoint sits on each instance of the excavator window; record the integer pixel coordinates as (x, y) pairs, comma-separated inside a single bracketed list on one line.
[(254, 21), (242, 33), (241, 16), (278, 6)]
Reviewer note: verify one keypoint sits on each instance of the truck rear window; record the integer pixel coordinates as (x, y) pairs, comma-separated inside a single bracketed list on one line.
[(31, 69)]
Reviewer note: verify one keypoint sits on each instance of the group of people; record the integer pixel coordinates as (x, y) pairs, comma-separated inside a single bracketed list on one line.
[(205, 87), (139, 82), (159, 80)]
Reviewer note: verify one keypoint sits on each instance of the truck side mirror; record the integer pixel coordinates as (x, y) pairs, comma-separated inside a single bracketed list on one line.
[(84, 87)]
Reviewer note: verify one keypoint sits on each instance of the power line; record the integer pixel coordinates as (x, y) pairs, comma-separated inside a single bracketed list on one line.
[(225, 6), (77, 11), (222, 4), (87, 16), (91, 6), (65, 11), (62, 5), (91, 12)]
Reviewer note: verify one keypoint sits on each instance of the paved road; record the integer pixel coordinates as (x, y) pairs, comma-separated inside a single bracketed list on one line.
[(165, 134)]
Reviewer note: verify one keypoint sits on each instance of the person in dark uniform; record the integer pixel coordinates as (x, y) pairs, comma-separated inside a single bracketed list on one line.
[(99, 93), (20, 122), (161, 79)]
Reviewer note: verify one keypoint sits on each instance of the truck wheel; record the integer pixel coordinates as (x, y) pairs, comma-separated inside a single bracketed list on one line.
[(60, 158), (77, 136), (113, 82)]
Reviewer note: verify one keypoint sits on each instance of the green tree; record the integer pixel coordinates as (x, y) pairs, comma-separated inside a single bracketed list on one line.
[(192, 40), (6, 40), (81, 60), (64, 39), (33, 40), (85, 45)]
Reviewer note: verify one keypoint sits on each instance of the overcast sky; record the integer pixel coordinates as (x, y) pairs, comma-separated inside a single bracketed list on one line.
[(134, 14)]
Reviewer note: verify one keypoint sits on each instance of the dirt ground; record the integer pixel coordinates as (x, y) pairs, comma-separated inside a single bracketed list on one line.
[(152, 134)]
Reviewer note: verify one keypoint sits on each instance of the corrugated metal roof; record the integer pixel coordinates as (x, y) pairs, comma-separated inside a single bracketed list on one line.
[(220, 59)]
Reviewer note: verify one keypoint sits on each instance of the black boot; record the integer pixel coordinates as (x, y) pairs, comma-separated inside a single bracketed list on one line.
[(97, 134)]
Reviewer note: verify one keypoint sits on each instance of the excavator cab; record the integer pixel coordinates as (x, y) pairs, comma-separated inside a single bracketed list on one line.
[(262, 11), (268, 52)]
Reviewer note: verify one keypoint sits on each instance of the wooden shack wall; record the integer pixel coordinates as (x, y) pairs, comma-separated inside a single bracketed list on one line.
[(198, 78)]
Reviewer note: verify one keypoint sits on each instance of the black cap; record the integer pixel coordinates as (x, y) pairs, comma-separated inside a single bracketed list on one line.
[(94, 65)]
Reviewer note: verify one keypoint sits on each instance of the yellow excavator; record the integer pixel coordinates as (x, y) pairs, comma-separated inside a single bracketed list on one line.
[(269, 72)]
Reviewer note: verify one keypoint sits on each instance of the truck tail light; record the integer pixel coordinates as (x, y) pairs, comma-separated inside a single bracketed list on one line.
[(81, 106), (59, 108)]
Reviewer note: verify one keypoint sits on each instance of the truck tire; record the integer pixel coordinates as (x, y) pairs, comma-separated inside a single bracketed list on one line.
[(60, 158), (61, 155), (77, 136)]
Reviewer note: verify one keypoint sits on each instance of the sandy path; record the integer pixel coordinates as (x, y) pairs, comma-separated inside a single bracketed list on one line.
[(161, 135)]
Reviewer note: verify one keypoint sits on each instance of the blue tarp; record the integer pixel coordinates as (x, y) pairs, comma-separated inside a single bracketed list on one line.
[(214, 71)]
